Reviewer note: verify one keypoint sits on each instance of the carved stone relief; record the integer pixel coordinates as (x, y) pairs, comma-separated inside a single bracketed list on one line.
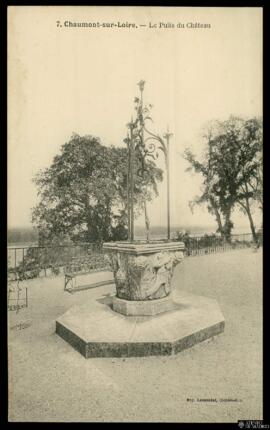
[(144, 277)]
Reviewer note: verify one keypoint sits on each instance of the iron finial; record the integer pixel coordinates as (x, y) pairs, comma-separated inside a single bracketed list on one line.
[(141, 84)]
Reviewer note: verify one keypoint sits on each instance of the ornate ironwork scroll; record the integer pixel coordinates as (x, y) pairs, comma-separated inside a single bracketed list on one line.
[(144, 143)]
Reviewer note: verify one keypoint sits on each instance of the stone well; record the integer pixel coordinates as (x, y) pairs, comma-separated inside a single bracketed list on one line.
[(143, 318), (143, 274)]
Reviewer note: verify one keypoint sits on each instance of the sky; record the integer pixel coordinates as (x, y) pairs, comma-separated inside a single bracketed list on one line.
[(71, 79)]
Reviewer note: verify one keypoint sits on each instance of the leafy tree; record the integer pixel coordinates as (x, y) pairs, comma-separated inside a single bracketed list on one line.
[(83, 193), (230, 169), (250, 168)]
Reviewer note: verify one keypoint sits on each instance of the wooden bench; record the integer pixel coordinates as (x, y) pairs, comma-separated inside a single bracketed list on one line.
[(84, 266)]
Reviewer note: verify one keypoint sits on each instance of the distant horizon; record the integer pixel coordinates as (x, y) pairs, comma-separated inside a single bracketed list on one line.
[(29, 226), (28, 236), (140, 227)]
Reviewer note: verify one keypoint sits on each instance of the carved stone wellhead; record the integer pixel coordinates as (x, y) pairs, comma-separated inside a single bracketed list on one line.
[(143, 271)]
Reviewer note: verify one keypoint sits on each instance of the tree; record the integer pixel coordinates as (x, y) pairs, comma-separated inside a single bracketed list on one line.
[(230, 169), (250, 169), (83, 193), (216, 188)]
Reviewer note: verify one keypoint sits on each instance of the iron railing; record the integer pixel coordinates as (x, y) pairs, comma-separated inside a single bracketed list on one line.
[(209, 244), (17, 296), (37, 261)]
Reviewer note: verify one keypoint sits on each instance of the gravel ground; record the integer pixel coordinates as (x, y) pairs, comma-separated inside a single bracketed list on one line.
[(49, 381)]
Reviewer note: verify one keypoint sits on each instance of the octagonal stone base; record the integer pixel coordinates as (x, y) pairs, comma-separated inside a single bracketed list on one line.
[(101, 332)]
